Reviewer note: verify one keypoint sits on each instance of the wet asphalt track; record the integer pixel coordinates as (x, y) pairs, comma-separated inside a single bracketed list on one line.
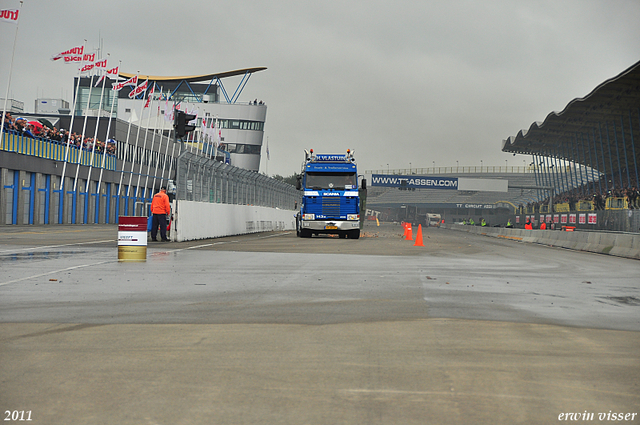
[(271, 328)]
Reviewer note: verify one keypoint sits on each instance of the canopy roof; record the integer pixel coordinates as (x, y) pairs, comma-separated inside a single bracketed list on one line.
[(600, 130), (195, 78)]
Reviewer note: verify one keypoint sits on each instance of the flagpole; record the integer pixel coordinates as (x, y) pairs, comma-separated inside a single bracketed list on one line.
[(216, 143), (169, 141), (133, 159), (153, 140), (84, 128), (146, 133), (126, 150), (136, 149), (95, 139), (13, 52), (104, 153), (173, 149), (68, 147)]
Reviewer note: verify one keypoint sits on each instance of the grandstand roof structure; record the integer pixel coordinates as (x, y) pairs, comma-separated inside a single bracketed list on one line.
[(196, 92), (196, 78), (600, 130)]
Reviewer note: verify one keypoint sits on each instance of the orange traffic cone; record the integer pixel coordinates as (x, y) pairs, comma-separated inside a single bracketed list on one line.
[(408, 233), (419, 237)]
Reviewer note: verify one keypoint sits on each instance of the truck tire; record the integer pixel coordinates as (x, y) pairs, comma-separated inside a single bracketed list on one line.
[(354, 234), (305, 233)]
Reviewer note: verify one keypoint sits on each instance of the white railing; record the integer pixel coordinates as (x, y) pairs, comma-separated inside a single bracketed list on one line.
[(472, 169)]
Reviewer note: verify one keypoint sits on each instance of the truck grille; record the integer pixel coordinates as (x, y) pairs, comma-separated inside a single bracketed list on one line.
[(331, 206)]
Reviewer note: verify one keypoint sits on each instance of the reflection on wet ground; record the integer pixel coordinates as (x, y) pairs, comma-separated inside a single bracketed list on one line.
[(45, 255)]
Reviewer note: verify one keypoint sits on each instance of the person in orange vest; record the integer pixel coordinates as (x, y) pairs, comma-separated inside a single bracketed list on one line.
[(160, 208), (543, 226), (528, 225)]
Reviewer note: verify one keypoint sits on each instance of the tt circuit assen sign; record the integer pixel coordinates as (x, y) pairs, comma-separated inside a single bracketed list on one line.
[(417, 182)]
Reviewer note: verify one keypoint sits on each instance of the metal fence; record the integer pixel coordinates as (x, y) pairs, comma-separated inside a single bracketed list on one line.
[(202, 179)]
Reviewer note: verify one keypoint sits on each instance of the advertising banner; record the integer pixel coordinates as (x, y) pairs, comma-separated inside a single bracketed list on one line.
[(414, 182)]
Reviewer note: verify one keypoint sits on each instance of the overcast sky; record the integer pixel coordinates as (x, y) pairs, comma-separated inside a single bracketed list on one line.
[(402, 82)]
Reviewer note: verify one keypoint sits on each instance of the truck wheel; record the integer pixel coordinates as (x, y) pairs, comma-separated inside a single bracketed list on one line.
[(354, 234), (342, 235), (305, 233)]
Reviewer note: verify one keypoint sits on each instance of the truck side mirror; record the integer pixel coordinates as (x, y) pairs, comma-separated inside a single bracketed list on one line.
[(298, 182), (364, 184)]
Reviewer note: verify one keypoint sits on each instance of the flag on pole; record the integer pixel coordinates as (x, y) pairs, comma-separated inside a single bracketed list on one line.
[(268, 156), (74, 52), (9, 16), (112, 71), (138, 90), (102, 63), (168, 112), (146, 105), (133, 81), (88, 67)]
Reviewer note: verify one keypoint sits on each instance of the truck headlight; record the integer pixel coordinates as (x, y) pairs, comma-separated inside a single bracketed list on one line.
[(309, 217), (353, 216)]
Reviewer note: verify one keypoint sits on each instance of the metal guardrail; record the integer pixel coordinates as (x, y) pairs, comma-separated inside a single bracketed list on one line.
[(202, 179)]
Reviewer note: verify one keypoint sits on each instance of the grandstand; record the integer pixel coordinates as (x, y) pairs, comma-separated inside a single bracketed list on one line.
[(56, 176), (600, 131), (584, 171)]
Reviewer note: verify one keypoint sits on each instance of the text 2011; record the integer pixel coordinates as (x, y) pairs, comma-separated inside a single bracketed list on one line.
[(17, 415)]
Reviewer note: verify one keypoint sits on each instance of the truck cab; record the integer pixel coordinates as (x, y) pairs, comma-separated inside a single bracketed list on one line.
[(331, 200)]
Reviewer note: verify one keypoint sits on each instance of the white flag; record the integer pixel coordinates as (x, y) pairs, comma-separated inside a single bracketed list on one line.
[(9, 16), (73, 52), (138, 90), (130, 82)]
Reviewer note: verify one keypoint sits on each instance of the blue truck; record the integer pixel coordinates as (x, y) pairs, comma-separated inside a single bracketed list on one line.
[(331, 199)]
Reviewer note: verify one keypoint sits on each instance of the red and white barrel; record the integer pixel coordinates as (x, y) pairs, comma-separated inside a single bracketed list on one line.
[(132, 238)]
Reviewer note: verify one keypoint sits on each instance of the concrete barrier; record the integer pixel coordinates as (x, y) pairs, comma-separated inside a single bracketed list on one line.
[(201, 220), (619, 244)]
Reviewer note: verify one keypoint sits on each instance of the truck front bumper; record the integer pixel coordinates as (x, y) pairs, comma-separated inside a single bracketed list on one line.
[(329, 226)]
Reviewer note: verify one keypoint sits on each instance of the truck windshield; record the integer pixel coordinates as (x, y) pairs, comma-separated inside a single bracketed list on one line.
[(331, 181)]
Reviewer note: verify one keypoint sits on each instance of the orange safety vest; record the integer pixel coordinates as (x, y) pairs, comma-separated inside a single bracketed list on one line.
[(160, 204)]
